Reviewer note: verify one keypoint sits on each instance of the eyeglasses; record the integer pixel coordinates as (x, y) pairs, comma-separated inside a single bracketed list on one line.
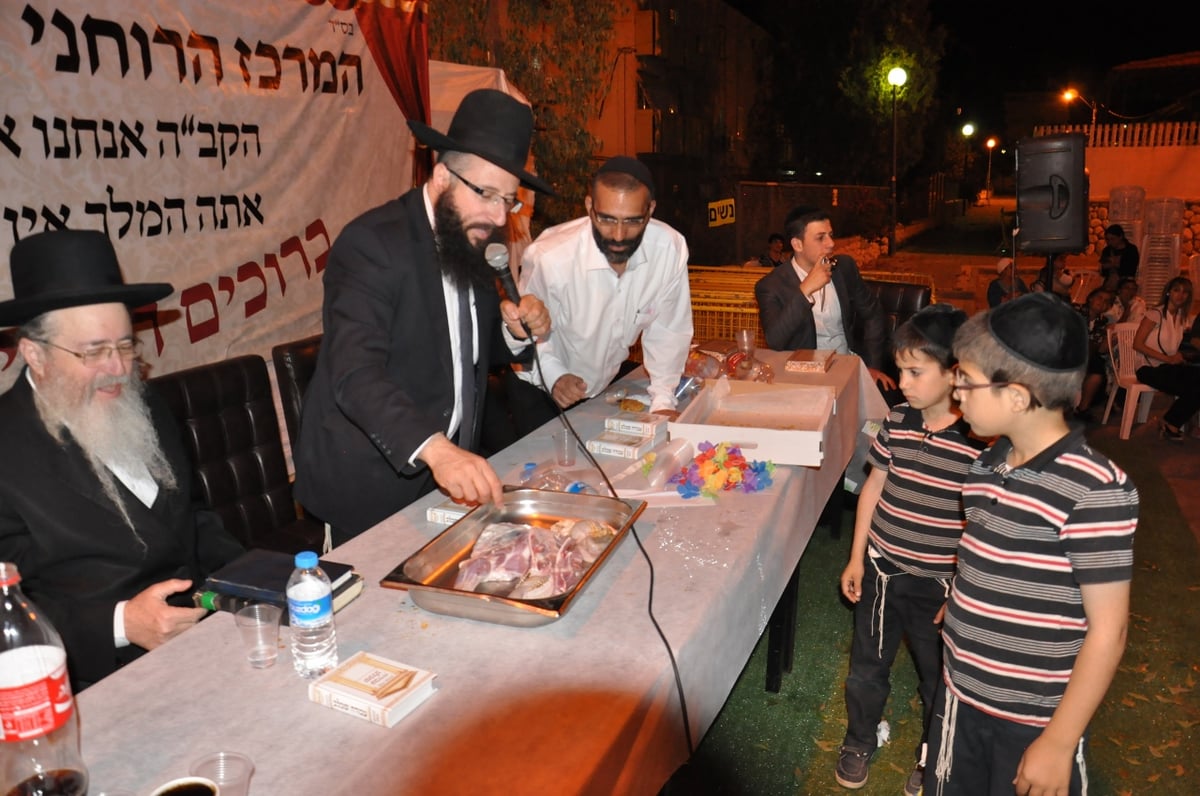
[(511, 204), (98, 355), (610, 222), (960, 383)]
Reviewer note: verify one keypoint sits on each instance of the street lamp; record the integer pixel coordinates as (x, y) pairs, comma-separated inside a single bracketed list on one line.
[(968, 130), (991, 145), (1071, 94), (896, 78)]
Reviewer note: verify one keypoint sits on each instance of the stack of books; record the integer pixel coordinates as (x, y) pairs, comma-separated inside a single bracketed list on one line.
[(262, 576)]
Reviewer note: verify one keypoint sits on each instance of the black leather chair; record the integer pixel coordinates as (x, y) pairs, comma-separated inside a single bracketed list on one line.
[(294, 366), (898, 301), (226, 414)]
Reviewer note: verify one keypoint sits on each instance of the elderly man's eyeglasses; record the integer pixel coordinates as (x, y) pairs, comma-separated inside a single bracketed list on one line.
[(611, 222), (511, 204), (99, 354)]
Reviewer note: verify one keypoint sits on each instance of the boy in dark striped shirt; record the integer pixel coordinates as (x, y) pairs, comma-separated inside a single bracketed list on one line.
[(906, 532), (1036, 621)]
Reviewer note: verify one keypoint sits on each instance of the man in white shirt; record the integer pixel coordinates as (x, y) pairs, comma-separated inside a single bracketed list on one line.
[(606, 278)]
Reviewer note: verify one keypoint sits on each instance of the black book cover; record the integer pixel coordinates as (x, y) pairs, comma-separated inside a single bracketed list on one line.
[(263, 575)]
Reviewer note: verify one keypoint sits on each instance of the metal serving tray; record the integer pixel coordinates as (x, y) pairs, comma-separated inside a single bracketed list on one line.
[(429, 574)]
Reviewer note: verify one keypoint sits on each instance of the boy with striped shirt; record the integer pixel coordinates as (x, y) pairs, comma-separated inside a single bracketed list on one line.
[(1036, 621), (906, 531)]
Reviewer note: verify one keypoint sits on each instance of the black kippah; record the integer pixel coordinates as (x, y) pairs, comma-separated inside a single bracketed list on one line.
[(937, 323), (1043, 331), (622, 164)]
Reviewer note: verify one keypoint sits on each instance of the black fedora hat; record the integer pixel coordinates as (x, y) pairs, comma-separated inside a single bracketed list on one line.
[(492, 125), (69, 268)]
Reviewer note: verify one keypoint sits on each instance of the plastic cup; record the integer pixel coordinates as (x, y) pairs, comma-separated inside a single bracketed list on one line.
[(230, 770), (259, 626), (564, 447), (745, 340), (187, 786)]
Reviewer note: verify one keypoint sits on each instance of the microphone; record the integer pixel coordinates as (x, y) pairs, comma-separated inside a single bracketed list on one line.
[(496, 255)]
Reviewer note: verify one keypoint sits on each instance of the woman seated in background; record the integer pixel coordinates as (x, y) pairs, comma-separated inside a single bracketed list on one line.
[(1163, 330), (1098, 303)]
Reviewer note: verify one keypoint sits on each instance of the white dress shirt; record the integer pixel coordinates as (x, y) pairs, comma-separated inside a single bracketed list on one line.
[(827, 315), (597, 315)]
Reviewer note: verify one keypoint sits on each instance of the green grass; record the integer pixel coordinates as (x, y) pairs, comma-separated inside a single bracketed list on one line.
[(1143, 736)]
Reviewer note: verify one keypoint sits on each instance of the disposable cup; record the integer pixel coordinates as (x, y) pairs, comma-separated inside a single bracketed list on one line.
[(564, 447), (230, 770), (188, 786), (745, 340), (259, 626)]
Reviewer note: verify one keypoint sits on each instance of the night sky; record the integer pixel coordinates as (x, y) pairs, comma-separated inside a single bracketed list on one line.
[(1030, 45), (1045, 46)]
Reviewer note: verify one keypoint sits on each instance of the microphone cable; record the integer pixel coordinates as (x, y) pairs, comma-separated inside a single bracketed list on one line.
[(562, 416)]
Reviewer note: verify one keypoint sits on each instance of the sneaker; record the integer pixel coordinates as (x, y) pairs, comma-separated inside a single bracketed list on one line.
[(852, 768), (916, 782)]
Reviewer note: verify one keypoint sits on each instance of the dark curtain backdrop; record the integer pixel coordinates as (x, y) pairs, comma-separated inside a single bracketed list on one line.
[(398, 38)]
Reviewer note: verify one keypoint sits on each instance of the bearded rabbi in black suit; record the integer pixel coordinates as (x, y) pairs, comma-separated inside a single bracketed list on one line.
[(412, 319), (96, 506)]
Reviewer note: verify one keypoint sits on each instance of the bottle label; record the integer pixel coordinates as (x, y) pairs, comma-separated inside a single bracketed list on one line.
[(35, 694), (310, 613)]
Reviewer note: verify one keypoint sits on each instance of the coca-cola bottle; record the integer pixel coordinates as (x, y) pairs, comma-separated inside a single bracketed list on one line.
[(39, 733)]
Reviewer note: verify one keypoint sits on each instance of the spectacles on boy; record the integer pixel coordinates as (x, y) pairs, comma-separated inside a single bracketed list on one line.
[(961, 385)]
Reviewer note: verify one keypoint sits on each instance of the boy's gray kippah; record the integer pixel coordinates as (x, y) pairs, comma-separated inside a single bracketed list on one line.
[(1043, 331)]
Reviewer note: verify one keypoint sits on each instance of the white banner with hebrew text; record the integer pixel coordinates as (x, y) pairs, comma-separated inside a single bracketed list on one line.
[(221, 144)]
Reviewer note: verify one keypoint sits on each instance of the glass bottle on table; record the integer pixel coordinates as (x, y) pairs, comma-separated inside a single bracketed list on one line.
[(39, 732)]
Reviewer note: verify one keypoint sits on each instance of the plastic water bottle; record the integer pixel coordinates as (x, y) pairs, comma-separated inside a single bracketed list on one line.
[(39, 733), (310, 614)]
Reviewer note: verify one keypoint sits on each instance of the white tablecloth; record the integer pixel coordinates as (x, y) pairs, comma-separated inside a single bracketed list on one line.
[(587, 704)]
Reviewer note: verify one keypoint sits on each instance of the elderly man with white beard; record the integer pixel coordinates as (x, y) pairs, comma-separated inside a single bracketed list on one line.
[(96, 504)]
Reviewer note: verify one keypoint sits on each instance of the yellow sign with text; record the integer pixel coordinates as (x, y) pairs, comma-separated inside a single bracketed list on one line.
[(721, 212)]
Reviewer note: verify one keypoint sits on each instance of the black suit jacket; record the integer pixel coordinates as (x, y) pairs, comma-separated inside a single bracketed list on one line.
[(384, 380), (787, 316), (76, 555)]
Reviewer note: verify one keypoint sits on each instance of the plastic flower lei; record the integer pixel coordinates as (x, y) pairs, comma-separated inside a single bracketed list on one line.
[(721, 468)]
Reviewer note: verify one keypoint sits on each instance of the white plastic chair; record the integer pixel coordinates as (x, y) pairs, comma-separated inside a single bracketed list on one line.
[(1138, 396)]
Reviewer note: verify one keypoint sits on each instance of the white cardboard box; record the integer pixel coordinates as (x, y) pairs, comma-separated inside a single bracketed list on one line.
[(374, 688), (624, 446), (781, 423), (639, 424)]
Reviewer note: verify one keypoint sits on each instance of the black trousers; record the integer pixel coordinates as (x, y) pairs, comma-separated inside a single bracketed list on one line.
[(986, 752), (1182, 381), (909, 604)]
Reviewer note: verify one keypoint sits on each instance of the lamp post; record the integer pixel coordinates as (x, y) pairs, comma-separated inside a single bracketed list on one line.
[(1071, 94), (896, 78), (991, 145), (968, 130)]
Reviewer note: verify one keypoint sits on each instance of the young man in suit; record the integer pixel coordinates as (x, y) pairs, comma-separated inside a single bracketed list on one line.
[(412, 319), (95, 484), (820, 301)]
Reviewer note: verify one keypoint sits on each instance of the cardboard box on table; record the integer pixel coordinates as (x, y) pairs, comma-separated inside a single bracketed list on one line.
[(782, 423)]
